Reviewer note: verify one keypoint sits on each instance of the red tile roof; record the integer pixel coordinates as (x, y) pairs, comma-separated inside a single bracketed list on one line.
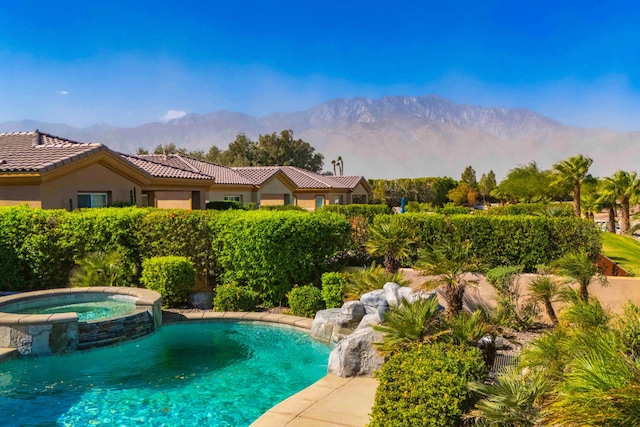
[(40, 152), (162, 170), (222, 174), (300, 177)]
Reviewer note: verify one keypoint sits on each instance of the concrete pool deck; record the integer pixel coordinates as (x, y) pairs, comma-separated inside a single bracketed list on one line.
[(331, 401)]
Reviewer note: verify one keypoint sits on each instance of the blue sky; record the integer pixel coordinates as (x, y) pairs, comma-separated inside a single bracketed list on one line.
[(125, 63)]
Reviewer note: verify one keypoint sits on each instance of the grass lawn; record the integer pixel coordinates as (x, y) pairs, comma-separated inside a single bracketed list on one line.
[(623, 250)]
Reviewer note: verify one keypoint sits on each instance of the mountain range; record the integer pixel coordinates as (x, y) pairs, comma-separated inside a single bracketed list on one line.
[(390, 137)]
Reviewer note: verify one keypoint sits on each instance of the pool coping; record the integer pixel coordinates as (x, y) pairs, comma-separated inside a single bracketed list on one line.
[(330, 401)]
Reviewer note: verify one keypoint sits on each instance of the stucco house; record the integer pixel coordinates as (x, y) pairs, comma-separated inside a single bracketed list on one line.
[(51, 172)]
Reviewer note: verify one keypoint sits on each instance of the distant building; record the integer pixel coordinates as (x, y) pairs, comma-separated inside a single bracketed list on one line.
[(51, 172)]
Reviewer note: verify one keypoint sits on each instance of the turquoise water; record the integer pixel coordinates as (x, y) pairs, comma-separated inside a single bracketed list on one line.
[(203, 374), (85, 310)]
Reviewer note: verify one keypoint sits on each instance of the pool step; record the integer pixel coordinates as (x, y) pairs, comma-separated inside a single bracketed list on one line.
[(8, 353)]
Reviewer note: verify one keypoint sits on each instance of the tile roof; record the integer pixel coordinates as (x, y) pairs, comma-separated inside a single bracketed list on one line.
[(165, 170), (40, 152), (300, 177), (222, 174)]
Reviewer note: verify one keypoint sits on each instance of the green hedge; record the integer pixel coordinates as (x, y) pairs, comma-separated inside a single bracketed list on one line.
[(427, 386), (172, 276), (231, 297), (223, 205), (334, 289), (367, 211), (305, 301), (556, 209), (270, 250), (506, 240)]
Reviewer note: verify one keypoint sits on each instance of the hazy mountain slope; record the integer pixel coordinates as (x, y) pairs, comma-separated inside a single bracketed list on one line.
[(388, 137)]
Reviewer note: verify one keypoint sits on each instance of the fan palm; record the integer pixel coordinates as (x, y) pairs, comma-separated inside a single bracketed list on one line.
[(392, 239), (99, 269), (408, 324), (624, 187), (545, 290), (572, 171), (579, 268), (450, 261), (372, 278)]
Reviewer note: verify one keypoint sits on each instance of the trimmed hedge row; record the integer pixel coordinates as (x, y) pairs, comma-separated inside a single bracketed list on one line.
[(506, 240), (556, 209), (351, 211), (270, 251)]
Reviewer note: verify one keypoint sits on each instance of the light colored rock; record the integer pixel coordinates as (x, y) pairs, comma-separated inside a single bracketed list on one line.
[(355, 355), (369, 320), (372, 300), (334, 324), (354, 309), (391, 293), (413, 295), (322, 326), (40, 335), (201, 300)]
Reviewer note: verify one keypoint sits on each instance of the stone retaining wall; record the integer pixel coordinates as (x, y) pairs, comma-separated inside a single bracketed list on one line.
[(115, 330)]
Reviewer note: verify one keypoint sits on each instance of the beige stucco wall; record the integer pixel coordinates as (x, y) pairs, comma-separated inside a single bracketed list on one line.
[(11, 195), (248, 196), (308, 200), (94, 178), (271, 199), (272, 193), (173, 199)]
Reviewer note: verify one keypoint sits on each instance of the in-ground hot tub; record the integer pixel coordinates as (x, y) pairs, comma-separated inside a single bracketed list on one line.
[(137, 313)]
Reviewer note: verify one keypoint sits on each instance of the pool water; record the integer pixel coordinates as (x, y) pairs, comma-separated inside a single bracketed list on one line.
[(203, 374), (85, 310)]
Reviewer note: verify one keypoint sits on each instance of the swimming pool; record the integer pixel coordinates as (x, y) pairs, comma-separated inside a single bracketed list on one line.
[(203, 374), (85, 310)]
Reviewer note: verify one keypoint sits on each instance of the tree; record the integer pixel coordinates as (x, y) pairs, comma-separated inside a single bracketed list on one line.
[(141, 151), (625, 186), (526, 184), (571, 172), (469, 177), (545, 290), (450, 261), (578, 267), (213, 155), (391, 239), (165, 149), (487, 184), (283, 150), (460, 195)]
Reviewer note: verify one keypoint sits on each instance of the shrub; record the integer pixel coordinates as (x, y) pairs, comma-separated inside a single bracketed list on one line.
[(282, 208), (334, 286), (452, 210), (427, 386), (223, 205), (171, 276), (367, 211), (305, 301), (546, 209), (271, 251), (231, 297)]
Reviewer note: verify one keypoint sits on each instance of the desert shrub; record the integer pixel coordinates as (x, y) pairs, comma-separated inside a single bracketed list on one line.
[(629, 328), (367, 211), (427, 386), (171, 276), (334, 286), (271, 251), (419, 207), (305, 301), (231, 297), (369, 279), (223, 205)]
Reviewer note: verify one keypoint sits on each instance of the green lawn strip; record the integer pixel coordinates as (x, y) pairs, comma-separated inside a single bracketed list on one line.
[(623, 250)]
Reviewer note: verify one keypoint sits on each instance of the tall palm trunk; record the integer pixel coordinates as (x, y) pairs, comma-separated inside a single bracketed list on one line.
[(625, 221), (612, 219), (391, 263), (576, 198), (551, 312)]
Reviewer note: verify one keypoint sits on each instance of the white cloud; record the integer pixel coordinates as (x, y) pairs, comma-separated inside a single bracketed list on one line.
[(62, 92), (173, 114)]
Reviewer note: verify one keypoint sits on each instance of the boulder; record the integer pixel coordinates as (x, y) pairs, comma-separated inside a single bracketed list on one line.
[(391, 293), (334, 324), (414, 295), (369, 320), (372, 300), (356, 355)]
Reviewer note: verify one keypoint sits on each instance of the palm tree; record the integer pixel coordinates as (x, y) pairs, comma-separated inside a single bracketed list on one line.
[(390, 238), (333, 163), (340, 164), (99, 269), (546, 291), (571, 172), (579, 268), (408, 324), (625, 186), (450, 261), (607, 197)]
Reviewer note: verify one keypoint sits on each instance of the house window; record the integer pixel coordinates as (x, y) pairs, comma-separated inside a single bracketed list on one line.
[(319, 202), (144, 200), (92, 200), (287, 199), (233, 198), (338, 200)]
